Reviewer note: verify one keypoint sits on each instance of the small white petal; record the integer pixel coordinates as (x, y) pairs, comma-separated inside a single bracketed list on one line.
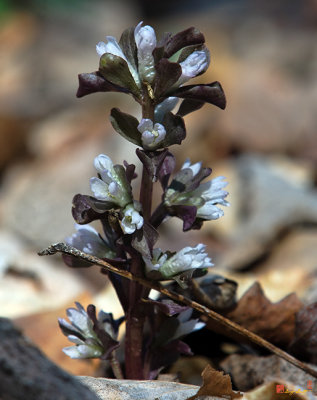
[(99, 189), (194, 167), (75, 339), (72, 352), (146, 124), (131, 221), (113, 188), (101, 48), (111, 47), (80, 321), (147, 138), (103, 162)]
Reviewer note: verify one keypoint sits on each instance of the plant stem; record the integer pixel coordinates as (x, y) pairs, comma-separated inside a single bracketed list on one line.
[(134, 327), (134, 358), (115, 366)]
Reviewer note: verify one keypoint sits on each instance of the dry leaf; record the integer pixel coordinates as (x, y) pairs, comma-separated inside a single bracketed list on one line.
[(304, 344), (215, 383), (274, 322)]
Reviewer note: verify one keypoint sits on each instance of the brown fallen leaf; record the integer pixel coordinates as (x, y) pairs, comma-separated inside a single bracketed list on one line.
[(274, 322), (215, 383), (304, 344)]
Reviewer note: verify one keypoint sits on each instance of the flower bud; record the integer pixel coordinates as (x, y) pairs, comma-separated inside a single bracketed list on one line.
[(145, 40), (88, 240), (152, 136), (112, 186), (131, 221)]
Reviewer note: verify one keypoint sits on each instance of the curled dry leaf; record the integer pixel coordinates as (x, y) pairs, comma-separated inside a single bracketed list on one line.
[(274, 322), (215, 383), (304, 343)]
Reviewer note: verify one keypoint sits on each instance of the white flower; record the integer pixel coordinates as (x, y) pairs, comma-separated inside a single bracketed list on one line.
[(196, 63), (189, 258), (205, 197), (114, 48), (145, 40), (132, 220), (186, 325), (88, 240), (80, 332), (151, 136), (83, 350), (111, 187), (213, 194)]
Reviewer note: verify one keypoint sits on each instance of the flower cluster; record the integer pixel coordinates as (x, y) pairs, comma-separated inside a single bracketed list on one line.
[(93, 337), (167, 266), (191, 200)]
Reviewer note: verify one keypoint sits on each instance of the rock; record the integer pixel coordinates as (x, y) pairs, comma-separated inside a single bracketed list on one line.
[(113, 389)]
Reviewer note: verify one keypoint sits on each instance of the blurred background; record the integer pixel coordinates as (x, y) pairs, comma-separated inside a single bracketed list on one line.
[(265, 143)]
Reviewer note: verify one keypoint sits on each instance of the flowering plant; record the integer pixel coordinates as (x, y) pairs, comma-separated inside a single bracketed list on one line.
[(154, 73)]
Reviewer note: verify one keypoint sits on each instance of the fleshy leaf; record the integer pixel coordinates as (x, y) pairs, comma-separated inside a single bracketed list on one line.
[(152, 161), (188, 37), (167, 307), (144, 239), (189, 105), (166, 169), (130, 171), (210, 93), (189, 50), (109, 344), (94, 82), (84, 209), (175, 129), (186, 213), (128, 46), (167, 73), (126, 125), (116, 70)]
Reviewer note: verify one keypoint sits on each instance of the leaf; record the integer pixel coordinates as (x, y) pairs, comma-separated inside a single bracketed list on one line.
[(128, 46), (175, 129), (166, 169), (210, 93), (94, 82), (152, 161), (274, 322), (304, 344), (84, 210), (189, 105), (167, 73), (116, 70), (168, 307), (126, 125), (188, 37), (215, 383), (109, 344), (186, 213)]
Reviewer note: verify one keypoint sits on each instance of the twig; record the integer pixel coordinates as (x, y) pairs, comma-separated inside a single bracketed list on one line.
[(64, 248)]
